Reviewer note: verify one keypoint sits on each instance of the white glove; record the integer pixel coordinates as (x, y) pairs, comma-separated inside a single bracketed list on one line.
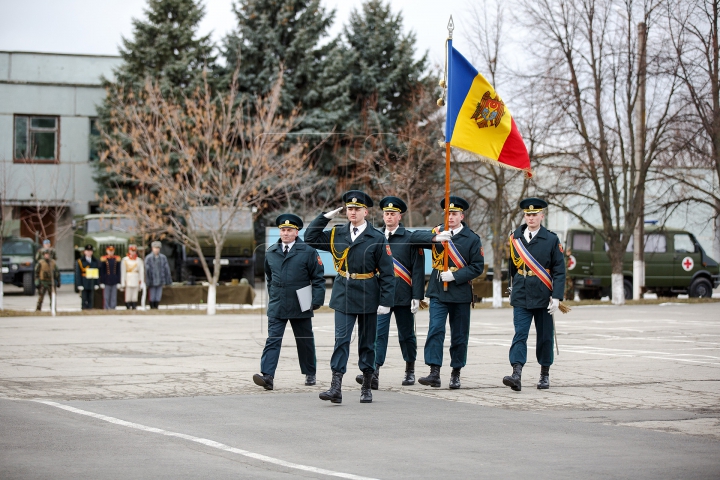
[(332, 214), (102, 285), (142, 286), (443, 236), (553, 306), (383, 310), (414, 306), (81, 288), (121, 287), (447, 276), (97, 287)]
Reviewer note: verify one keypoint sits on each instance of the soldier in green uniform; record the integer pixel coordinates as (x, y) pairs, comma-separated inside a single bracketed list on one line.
[(291, 265), (46, 245), (363, 289), (47, 275), (87, 276), (530, 297), (466, 261), (409, 267)]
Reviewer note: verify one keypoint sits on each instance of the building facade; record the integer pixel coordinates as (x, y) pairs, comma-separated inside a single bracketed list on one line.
[(48, 105)]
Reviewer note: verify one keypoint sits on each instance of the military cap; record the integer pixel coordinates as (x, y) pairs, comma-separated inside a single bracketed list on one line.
[(533, 205), (457, 204), (156, 244), (46, 241), (89, 247), (110, 247), (393, 204), (356, 198), (288, 220)]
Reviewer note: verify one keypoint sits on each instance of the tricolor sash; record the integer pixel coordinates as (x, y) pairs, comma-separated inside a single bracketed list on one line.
[(402, 272), (455, 256), (531, 263)]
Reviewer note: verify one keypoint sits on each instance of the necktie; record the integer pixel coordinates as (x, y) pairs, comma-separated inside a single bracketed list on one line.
[(355, 230), (452, 234), (531, 235), (287, 249)]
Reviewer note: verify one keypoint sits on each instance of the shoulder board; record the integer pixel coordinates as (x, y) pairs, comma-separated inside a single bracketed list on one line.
[(103, 258)]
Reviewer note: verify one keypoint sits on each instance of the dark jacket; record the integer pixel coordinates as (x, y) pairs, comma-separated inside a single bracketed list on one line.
[(157, 271), (470, 248), (287, 274), (47, 273), (530, 292), (367, 254), (110, 270), (80, 266), (412, 258)]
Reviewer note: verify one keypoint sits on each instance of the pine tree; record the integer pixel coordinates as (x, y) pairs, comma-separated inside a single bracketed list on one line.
[(287, 33), (166, 49)]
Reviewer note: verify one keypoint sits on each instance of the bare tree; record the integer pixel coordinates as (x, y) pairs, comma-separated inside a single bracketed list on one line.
[(184, 155), (588, 76)]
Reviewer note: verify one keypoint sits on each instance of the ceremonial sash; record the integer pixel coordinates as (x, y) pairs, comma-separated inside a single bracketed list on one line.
[(402, 272), (531, 263), (455, 256)]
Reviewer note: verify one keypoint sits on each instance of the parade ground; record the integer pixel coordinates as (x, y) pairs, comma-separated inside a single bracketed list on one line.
[(635, 393)]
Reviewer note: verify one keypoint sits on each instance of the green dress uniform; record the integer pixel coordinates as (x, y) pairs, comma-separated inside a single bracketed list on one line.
[(453, 304), (285, 274), (365, 281), (530, 297), (47, 276)]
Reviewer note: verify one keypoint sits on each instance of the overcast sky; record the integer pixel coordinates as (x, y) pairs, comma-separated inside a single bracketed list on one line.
[(96, 26)]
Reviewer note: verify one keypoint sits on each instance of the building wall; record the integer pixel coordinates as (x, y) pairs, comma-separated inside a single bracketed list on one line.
[(67, 86)]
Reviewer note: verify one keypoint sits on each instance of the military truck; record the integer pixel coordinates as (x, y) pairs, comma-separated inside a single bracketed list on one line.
[(238, 253), (675, 263), (103, 230), (18, 263)]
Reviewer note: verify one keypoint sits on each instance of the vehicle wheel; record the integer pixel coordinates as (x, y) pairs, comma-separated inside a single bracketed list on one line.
[(627, 286), (28, 284), (700, 288), (585, 294)]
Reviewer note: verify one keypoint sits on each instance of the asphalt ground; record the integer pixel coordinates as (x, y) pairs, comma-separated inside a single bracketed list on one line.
[(635, 392)]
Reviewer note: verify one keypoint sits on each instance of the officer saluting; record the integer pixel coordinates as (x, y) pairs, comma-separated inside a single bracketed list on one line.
[(364, 286), (291, 265), (466, 261), (537, 270), (409, 266)]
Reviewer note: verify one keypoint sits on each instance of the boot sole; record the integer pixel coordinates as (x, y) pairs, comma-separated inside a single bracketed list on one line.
[(366, 401), (430, 384), (260, 382), (543, 388), (512, 385), (454, 388), (408, 383), (331, 399)]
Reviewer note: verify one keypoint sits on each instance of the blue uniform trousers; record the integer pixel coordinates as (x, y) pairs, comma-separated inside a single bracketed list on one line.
[(367, 331), (459, 314), (88, 298), (405, 321), (155, 293), (522, 317), (304, 339)]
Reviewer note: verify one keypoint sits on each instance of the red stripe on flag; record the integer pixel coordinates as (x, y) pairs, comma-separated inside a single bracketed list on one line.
[(514, 152)]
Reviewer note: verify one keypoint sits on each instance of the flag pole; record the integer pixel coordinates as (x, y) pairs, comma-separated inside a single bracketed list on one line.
[(443, 83)]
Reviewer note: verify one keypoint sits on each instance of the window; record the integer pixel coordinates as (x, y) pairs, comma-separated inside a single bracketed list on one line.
[(36, 138), (582, 242), (684, 244), (655, 243), (94, 139)]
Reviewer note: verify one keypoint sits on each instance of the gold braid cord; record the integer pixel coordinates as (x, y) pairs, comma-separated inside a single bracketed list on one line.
[(338, 259), (518, 262)]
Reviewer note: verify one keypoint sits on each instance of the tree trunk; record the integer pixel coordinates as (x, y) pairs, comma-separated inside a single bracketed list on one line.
[(211, 299), (618, 289)]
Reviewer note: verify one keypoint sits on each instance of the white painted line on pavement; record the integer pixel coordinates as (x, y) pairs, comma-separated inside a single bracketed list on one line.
[(205, 441)]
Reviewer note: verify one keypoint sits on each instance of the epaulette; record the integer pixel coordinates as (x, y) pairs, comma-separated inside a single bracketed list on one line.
[(103, 258)]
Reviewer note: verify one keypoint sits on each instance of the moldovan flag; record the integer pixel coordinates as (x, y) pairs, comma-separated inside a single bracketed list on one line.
[(477, 119)]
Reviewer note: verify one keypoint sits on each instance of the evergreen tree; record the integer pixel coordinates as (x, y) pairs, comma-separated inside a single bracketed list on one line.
[(286, 33), (166, 49)]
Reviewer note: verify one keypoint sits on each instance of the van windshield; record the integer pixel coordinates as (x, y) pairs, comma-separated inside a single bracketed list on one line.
[(95, 225), (17, 248), (213, 219)]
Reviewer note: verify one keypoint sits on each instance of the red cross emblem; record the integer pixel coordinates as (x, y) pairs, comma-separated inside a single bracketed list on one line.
[(571, 262), (687, 264)]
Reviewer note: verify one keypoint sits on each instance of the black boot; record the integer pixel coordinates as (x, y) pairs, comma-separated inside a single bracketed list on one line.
[(375, 378), (432, 380), (309, 379), (455, 378), (409, 378), (264, 380), (365, 390), (544, 382), (513, 381), (335, 392)]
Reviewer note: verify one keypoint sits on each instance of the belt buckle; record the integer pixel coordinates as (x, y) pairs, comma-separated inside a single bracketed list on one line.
[(353, 276)]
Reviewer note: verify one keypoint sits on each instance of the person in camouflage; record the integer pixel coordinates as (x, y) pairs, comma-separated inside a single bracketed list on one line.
[(46, 275)]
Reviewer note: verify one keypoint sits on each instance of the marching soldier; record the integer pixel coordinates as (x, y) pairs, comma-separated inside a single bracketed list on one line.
[(110, 277), (466, 262), (409, 266), (291, 265), (47, 275), (363, 289), (132, 277), (86, 277), (537, 270)]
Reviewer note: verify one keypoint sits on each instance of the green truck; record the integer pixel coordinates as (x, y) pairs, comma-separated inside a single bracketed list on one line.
[(675, 263), (238, 253), (103, 230), (18, 263)]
